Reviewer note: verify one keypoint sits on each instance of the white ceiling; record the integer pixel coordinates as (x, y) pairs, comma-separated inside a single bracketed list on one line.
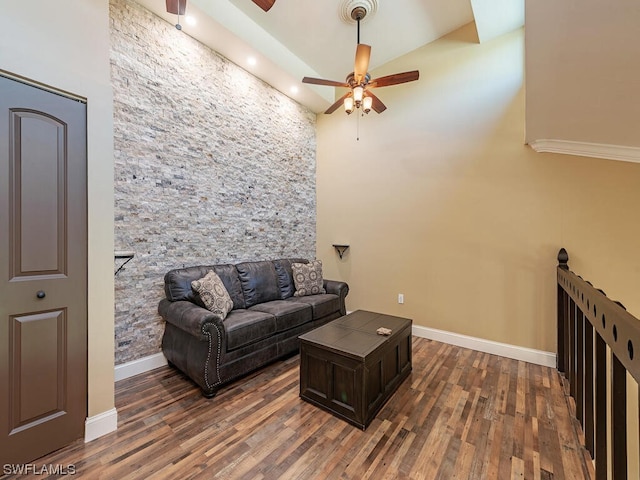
[(316, 32), (312, 38)]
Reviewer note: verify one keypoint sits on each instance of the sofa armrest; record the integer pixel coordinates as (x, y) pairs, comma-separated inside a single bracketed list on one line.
[(189, 317), (337, 288)]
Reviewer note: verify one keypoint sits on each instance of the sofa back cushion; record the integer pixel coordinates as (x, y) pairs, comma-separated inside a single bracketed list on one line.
[(177, 283), (213, 294), (259, 282), (285, 275), (229, 276)]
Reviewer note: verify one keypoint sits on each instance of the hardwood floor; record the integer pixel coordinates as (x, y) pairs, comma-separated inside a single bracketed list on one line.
[(461, 414)]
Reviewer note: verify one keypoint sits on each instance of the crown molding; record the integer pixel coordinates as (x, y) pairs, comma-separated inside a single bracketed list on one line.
[(584, 149)]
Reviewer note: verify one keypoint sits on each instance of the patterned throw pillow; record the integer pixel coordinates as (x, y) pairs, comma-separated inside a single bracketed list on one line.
[(307, 277), (213, 293)]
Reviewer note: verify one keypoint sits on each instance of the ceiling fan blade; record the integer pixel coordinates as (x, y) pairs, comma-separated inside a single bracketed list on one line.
[(338, 103), (177, 7), (363, 54), (394, 79), (321, 81), (264, 4), (377, 104)]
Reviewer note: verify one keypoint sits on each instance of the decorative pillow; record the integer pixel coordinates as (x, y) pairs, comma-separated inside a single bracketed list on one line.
[(213, 294), (307, 277)]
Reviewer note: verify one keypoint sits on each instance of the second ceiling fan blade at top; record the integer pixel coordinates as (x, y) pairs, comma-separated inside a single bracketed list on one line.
[(264, 4), (178, 7)]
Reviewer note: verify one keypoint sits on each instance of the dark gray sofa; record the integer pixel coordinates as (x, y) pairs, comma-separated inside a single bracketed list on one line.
[(263, 325)]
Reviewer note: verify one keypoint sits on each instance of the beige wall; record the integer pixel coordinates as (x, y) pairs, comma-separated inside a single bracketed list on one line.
[(582, 71), (442, 201), (65, 45)]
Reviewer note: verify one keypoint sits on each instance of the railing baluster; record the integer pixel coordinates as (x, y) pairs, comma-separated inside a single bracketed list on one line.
[(589, 379), (580, 367), (601, 409), (560, 360), (619, 419), (567, 335), (572, 348)]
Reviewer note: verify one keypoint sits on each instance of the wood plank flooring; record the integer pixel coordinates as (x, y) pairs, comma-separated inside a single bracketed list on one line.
[(461, 414)]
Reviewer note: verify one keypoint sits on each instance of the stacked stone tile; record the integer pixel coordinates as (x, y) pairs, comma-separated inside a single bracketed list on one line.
[(212, 165)]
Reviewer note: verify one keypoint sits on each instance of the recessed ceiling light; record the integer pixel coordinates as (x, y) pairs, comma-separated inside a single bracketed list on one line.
[(252, 60), (294, 89), (190, 20)]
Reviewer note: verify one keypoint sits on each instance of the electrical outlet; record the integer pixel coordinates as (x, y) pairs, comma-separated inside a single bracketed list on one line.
[(401, 298)]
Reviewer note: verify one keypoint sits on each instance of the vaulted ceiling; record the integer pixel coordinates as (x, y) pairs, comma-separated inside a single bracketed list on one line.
[(313, 38)]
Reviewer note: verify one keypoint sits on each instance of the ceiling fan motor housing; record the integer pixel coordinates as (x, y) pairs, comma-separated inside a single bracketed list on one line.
[(351, 80)]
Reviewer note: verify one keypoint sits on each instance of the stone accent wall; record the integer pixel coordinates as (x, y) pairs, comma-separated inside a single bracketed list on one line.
[(212, 165)]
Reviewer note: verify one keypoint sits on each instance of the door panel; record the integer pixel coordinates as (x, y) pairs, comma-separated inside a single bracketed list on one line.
[(37, 174), (43, 271), (36, 365)]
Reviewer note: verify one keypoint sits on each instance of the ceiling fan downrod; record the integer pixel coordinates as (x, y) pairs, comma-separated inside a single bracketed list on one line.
[(358, 14)]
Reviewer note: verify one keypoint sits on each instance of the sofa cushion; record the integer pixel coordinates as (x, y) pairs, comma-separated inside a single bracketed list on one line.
[(213, 294), (259, 282), (322, 305), (229, 276), (285, 275), (245, 327), (288, 314), (177, 283), (307, 278)]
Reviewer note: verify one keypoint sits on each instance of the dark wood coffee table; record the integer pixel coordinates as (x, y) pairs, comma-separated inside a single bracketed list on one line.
[(350, 370)]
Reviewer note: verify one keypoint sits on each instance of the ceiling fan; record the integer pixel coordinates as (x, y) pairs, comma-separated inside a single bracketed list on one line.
[(178, 7), (359, 81)]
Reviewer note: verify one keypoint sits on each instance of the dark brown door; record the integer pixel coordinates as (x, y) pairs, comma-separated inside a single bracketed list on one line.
[(43, 271)]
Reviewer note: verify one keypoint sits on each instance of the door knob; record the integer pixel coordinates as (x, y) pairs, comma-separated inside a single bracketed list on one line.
[(41, 294)]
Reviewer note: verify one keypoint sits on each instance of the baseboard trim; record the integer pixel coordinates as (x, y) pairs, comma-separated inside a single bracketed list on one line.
[(101, 424), (584, 149), (141, 365), (538, 357)]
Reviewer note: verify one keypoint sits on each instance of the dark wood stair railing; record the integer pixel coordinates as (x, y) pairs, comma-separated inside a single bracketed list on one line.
[(588, 322)]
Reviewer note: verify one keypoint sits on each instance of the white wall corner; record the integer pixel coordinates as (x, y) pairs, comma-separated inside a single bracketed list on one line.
[(584, 149), (141, 365), (538, 357), (101, 424)]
